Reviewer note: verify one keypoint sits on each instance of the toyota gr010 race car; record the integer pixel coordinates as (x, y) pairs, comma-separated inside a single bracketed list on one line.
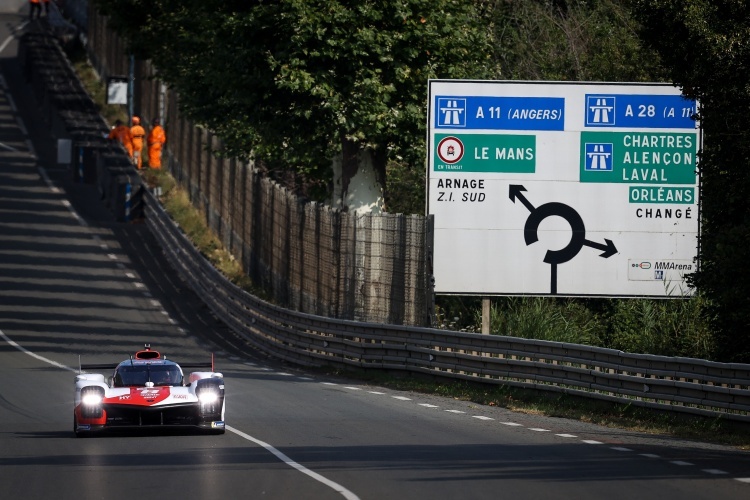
[(148, 391)]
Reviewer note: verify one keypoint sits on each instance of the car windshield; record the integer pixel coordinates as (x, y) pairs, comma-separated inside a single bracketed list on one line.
[(138, 375)]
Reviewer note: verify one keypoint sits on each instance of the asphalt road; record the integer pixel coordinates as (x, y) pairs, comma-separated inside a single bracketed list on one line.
[(73, 282)]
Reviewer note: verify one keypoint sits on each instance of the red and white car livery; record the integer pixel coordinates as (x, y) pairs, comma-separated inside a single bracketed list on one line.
[(148, 390)]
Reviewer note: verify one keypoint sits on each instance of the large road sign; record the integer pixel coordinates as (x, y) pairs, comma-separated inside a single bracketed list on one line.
[(560, 188)]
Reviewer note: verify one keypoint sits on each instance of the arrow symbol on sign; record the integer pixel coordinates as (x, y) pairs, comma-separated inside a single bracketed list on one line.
[(607, 247), (516, 191), (578, 232)]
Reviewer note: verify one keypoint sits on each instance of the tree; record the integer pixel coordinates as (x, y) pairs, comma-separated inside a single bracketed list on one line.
[(297, 82), (569, 40), (706, 46)]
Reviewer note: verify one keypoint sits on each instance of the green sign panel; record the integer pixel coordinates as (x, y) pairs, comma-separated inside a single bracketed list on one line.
[(639, 157), (661, 194), (485, 153)]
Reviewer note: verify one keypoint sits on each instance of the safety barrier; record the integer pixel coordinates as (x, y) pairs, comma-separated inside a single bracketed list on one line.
[(673, 384)]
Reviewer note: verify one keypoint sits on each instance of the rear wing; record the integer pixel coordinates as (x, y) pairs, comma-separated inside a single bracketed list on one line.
[(111, 366), (108, 366)]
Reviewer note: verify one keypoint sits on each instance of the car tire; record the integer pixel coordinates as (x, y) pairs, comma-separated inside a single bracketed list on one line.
[(79, 434)]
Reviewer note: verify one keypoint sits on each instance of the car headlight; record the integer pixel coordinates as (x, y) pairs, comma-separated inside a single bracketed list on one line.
[(91, 399), (208, 397)]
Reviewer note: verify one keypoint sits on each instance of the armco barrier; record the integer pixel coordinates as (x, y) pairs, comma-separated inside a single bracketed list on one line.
[(673, 384)]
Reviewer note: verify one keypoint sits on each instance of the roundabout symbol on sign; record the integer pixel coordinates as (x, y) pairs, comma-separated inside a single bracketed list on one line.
[(577, 241), (450, 150)]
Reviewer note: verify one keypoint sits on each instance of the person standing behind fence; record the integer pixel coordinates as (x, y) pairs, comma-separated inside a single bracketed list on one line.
[(156, 140), (121, 132), (138, 134), (36, 9)]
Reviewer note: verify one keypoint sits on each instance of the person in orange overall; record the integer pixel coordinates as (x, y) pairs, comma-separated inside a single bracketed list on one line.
[(156, 140), (121, 132), (138, 134)]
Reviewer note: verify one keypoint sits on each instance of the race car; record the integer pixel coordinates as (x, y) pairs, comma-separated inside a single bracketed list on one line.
[(148, 391)]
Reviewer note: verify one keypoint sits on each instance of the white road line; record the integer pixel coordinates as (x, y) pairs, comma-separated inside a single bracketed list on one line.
[(482, 417), (329, 383), (401, 398), (376, 392), (426, 405), (714, 471), (352, 388), (511, 424), (649, 455), (566, 435), (620, 448), (743, 479), (455, 411), (284, 374), (335, 486), (36, 356), (538, 429), (591, 441), (680, 462), (7, 41)]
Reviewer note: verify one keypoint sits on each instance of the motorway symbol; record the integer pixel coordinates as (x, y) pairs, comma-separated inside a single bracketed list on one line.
[(598, 157), (452, 112), (601, 110), (578, 239)]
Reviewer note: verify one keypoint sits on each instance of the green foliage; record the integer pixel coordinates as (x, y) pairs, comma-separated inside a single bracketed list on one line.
[(405, 189), (559, 320), (290, 81), (706, 45), (671, 327), (571, 40), (665, 327)]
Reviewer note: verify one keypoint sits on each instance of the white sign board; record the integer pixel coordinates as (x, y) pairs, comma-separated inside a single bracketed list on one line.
[(117, 90), (571, 189)]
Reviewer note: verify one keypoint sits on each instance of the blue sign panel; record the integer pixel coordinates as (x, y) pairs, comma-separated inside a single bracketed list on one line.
[(598, 157), (499, 113), (639, 111)]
